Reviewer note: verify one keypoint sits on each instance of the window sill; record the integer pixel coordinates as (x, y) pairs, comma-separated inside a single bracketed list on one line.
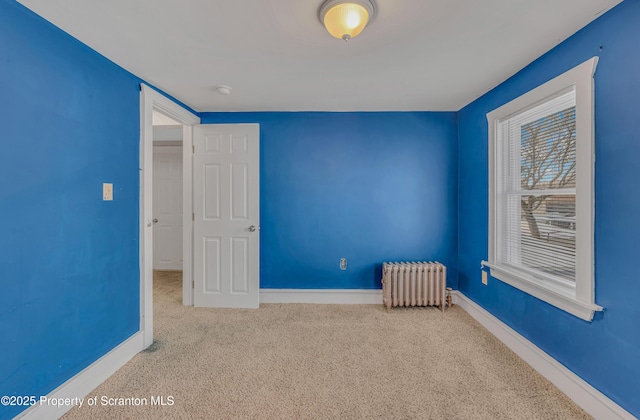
[(558, 297)]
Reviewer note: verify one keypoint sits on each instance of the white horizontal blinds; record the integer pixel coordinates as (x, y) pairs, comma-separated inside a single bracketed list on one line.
[(538, 200)]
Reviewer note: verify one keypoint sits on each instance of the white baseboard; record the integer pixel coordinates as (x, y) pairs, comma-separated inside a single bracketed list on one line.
[(590, 399), (86, 381), (322, 296)]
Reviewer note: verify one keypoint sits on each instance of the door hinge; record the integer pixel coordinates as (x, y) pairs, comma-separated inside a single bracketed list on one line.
[(193, 149), (193, 284), (193, 217)]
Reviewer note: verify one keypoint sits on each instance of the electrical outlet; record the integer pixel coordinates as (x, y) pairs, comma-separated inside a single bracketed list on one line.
[(107, 192), (484, 278), (343, 263)]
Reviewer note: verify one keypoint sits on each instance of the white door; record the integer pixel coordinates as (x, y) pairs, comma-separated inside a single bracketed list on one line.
[(167, 207), (226, 229)]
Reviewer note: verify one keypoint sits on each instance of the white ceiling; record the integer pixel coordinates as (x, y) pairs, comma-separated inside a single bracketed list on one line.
[(435, 55)]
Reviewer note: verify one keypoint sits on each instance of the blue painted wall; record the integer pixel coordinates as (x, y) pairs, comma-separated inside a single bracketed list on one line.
[(604, 352), (370, 187), (69, 273)]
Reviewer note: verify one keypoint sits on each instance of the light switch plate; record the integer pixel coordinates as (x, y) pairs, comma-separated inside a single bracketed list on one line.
[(107, 191), (484, 278)]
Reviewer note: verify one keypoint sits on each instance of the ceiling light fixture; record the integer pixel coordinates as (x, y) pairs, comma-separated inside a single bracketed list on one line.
[(345, 19)]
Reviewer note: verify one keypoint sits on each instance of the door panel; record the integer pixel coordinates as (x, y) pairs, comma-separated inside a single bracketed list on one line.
[(211, 192), (239, 265), (226, 218), (212, 265), (167, 208), (239, 187)]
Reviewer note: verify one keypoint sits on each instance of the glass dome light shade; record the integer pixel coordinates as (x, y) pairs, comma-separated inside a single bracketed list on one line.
[(345, 20)]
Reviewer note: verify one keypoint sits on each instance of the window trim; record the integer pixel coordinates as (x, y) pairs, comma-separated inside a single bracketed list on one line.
[(581, 301)]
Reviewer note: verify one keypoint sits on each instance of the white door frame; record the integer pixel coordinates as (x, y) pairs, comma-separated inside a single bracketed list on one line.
[(150, 100)]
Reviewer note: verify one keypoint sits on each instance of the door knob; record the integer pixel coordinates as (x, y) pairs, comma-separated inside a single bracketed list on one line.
[(252, 228), (155, 220)]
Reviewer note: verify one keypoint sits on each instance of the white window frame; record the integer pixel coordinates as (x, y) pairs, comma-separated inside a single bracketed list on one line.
[(578, 300)]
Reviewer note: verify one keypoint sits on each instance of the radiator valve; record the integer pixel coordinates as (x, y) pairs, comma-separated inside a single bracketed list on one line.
[(449, 297)]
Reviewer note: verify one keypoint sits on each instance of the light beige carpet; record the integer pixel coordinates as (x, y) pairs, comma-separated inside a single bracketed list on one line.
[(325, 362)]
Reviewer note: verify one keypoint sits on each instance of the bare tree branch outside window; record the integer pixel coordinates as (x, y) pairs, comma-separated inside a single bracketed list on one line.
[(547, 160)]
